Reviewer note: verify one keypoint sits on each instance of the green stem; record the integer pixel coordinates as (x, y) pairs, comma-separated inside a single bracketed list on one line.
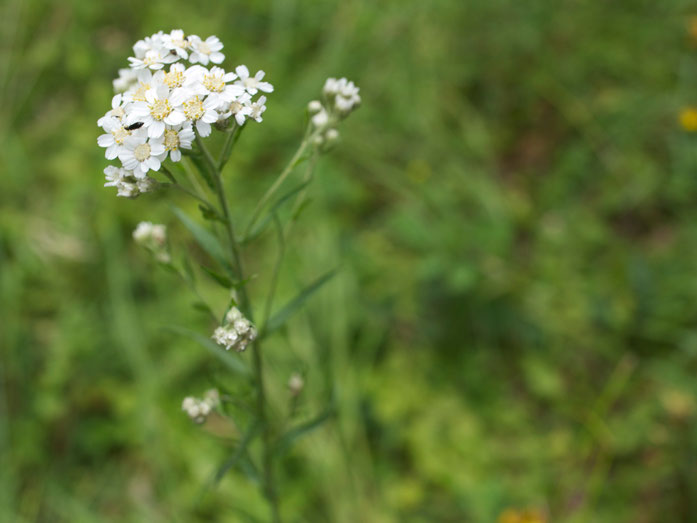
[(279, 181), (269, 485)]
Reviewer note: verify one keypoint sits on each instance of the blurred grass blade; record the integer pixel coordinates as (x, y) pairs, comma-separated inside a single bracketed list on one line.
[(278, 319), (286, 441), (239, 453), (235, 364), (204, 238)]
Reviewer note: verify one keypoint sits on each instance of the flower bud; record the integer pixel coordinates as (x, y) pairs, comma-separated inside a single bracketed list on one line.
[(314, 107), (296, 384)]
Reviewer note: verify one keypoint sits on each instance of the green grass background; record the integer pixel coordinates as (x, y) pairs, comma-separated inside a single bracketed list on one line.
[(513, 211)]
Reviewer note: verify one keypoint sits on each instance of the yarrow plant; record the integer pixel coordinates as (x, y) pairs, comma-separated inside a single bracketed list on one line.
[(175, 93)]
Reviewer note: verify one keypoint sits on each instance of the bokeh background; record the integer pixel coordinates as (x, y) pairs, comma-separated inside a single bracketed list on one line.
[(512, 333)]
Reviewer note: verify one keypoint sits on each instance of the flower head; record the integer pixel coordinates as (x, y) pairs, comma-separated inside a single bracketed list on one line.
[(236, 333)]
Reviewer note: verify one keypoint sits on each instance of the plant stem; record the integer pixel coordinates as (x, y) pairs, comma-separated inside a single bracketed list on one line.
[(267, 458), (281, 178)]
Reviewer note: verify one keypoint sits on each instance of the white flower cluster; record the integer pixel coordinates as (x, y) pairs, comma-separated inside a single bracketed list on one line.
[(199, 409), (236, 333), (167, 96), (154, 238), (340, 98)]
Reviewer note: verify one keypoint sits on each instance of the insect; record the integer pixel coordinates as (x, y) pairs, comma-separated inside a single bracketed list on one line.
[(134, 126)]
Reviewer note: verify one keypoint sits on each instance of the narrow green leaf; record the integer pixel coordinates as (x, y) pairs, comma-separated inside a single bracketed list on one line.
[(205, 239), (203, 307), (286, 441), (221, 279), (200, 162), (210, 214), (234, 459), (261, 225), (234, 363), (278, 319)]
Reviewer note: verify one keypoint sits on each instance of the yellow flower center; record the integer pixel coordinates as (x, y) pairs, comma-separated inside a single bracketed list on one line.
[(118, 113), (171, 140), (250, 82), (160, 109), (193, 109), (142, 152), (213, 83), (203, 48), (139, 94), (174, 79), (120, 135)]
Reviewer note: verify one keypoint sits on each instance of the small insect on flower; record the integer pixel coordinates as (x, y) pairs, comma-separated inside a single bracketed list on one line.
[(134, 126)]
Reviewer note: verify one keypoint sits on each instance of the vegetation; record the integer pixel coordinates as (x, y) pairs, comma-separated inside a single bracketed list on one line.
[(510, 334)]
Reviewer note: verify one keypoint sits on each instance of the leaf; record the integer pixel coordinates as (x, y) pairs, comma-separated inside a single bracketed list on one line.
[(235, 364), (223, 280), (205, 239), (239, 453), (286, 441), (259, 228), (278, 319), (203, 307), (210, 214), (203, 169)]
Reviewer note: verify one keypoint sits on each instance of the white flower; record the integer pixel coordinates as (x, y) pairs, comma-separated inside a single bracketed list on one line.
[(314, 107), (240, 108), (127, 77), (177, 42), (178, 139), (149, 43), (213, 83), (115, 136), (126, 184), (295, 384), (197, 409), (118, 109), (258, 108), (252, 84), (153, 59), (173, 78), (332, 135), (237, 332), (321, 119), (147, 232), (161, 107), (343, 95), (141, 154), (136, 93), (200, 112), (203, 51), (154, 238)]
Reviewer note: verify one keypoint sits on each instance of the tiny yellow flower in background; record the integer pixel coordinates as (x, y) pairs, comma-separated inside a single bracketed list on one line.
[(521, 516), (688, 119), (692, 27)]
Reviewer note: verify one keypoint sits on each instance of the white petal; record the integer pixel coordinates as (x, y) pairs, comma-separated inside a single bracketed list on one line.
[(175, 118), (112, 152), (203, 128), (156, 129), (105, 140), (242, 71)]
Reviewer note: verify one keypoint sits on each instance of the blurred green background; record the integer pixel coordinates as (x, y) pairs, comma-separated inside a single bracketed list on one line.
[(513, 211)]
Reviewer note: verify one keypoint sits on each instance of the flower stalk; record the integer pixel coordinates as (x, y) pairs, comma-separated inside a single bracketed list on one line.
[(163, 111)]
